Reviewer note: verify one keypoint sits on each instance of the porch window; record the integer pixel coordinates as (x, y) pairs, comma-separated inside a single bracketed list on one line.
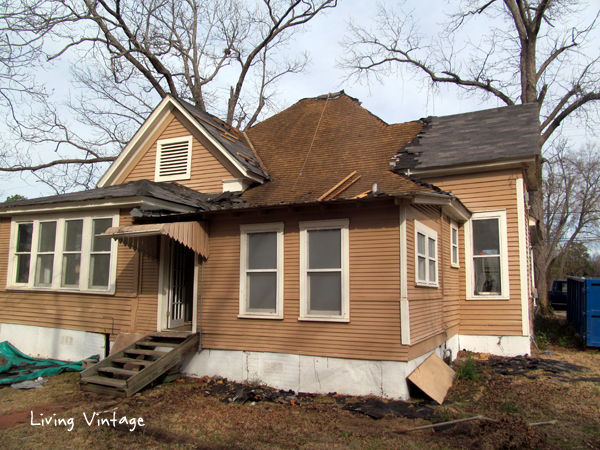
[(324, 266), (261, 271), (426, 260), (62, 254), (487, 268)]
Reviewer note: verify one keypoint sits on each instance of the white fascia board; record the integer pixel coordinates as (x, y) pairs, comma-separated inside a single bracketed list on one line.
[(100, 203), (451, 206), (484, 167), (137, 142)]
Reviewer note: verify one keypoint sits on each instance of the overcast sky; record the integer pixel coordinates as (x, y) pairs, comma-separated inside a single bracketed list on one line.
[(396, 100)]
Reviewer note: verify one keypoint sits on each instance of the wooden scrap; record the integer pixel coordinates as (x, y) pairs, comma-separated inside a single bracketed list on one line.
[(215, 126), (247, 158), (336, 186), (433, 377), (339, 191), (451, 422), (362, 195), (227, 137)]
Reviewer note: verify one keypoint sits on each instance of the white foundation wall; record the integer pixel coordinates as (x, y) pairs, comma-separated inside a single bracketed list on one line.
[(314, 374), (496, 345), (53, 343)]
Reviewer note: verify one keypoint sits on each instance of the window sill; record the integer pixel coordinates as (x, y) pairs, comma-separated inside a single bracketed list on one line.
[(434, 286), (455, 266), (62, 291), (324, 319), (259, 316), (488, 297)]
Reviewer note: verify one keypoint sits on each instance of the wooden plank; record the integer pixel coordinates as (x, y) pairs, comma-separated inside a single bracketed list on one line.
[(433, 377), (171, 334), (156, 344), (118, 371), (105, 381), (136, 362), (336, 186), (136, 351), (103, 390)]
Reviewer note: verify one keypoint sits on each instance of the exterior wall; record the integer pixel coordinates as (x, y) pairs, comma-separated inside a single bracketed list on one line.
[(306, 373), (84, 311), (207, 172), (373, 332), (486, 191)]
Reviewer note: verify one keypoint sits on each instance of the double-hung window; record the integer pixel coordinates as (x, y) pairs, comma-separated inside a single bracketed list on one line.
[(426, 269), (324, 270), (62, 254), (487, 250), (261, 271), (453, 245)]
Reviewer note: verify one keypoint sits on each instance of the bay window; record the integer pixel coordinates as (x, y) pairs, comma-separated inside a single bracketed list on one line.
[(62, 254)]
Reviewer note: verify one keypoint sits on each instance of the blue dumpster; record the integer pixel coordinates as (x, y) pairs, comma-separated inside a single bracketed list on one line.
[(583, 308)]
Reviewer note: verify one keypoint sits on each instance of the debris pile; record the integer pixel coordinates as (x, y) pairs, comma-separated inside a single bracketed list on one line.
[(523, 365), (233, 392)]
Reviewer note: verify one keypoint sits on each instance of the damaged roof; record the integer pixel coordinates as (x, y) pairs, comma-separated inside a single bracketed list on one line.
[(476, 137), (229, 137), (327, 148), (170, 192)]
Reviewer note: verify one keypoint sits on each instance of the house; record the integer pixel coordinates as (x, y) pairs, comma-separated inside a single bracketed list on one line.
[(321, 250)]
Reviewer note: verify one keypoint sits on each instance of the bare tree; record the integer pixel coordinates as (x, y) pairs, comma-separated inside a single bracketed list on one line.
[(533, 51), (571, 202), (222, 55)]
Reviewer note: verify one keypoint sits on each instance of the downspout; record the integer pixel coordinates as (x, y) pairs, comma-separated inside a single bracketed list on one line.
[(200, 312)]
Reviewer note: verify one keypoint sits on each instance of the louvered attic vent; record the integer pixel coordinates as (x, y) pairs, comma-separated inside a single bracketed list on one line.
[(173, 159)]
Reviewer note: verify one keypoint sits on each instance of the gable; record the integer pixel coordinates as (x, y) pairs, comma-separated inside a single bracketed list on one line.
[(206, 172)]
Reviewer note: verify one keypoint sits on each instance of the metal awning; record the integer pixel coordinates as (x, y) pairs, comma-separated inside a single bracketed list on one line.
[(142, 238)]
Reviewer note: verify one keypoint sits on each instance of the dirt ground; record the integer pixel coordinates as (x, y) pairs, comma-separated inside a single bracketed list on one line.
[(200, 414)]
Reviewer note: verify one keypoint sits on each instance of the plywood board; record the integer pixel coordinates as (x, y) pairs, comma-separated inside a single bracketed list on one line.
[(433, 377)]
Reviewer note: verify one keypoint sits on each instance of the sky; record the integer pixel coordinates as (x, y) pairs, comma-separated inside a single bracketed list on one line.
[(395, 100)]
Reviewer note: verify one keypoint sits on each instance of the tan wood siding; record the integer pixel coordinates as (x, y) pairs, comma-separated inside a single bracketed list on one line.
[(487, 191), (207, 172), (374, 328)]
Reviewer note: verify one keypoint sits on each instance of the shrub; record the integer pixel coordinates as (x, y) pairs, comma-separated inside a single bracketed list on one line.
[(467, 370)]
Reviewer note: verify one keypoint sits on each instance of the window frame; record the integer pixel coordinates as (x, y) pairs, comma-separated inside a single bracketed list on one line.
[(59, 252), (344, 226), (453, 227), (245, 230), (469, 267), (159, 146), (429, 233)]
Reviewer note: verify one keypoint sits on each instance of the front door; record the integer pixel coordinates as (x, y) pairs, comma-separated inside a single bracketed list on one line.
[(181, 286)]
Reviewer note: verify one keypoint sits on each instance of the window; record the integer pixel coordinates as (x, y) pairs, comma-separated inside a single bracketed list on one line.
[(324, 270), (173, 159), (426, 255), (261, 271), (62, 254), (487, 263), (454, 244)]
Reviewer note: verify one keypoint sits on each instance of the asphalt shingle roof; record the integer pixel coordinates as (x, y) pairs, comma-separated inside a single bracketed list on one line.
[(475, 137), (316, 143)]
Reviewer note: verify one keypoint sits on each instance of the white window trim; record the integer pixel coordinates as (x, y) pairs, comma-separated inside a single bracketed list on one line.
[(454, 226), (343, 225), (58, 252), (429, 233), (469, 272), (276, 227), (159, 146)]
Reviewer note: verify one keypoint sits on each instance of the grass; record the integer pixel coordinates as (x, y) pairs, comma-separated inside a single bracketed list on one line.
[(467, 370)]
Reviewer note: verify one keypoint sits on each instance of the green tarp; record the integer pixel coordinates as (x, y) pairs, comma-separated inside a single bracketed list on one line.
[(16, 366)]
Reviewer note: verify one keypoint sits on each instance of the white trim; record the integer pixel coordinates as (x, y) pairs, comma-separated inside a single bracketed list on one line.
[(85, 252), (404, 309), (195, 295), (163, 284), (277, 228), (160, 143), (523, 275), (141, 138), (429, 234), (236, 185), (469, 272), (343, 226), (465, 168), (454, 226), (61, 207)]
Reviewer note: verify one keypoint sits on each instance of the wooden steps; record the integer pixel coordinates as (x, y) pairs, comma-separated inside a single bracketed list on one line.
[(129, 370)]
